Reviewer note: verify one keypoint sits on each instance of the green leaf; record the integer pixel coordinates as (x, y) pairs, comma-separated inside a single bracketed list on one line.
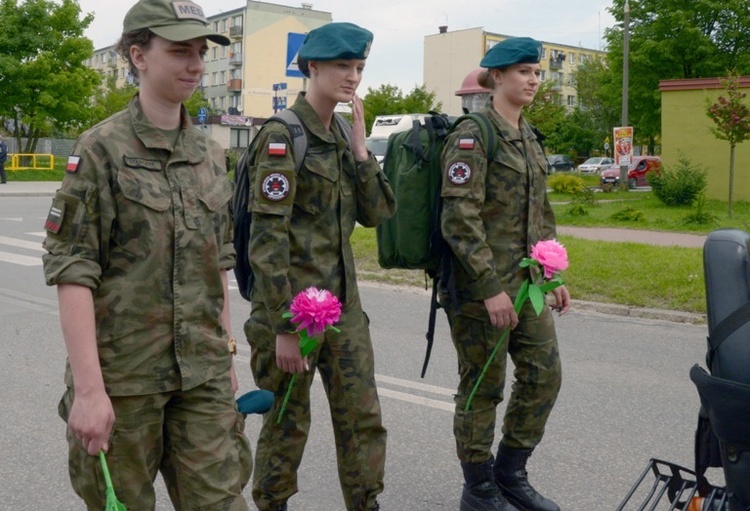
[(536, 296), (287, 315)]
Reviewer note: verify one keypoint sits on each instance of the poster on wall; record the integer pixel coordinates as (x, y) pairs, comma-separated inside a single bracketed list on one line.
[(623, 138)]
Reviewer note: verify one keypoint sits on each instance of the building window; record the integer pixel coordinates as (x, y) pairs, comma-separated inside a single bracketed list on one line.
[(213, 103), (204, 82), (223, 52), (571, 57), (222, 78), (237, 21), (221, 102), (216, 26), (544, 52), (213, 52), (234, 74), (214, 77), (571, 101), (239, 138), (543, 75), (224, 24)]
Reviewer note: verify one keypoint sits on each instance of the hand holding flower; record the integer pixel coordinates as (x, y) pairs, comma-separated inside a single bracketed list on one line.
[(314, 311), (552, 258)]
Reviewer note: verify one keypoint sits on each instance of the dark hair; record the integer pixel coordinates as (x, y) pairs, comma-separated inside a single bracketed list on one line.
[(141, 37), (484, 79), (303, 66)]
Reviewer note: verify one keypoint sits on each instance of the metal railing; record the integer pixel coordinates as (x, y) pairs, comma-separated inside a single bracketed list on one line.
[(30, 162)]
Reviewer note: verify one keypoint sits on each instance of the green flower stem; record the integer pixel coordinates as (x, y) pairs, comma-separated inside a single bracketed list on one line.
[(105, 470), (522, 296), (286, 398)]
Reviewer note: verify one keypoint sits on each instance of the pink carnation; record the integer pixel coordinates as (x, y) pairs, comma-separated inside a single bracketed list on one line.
[(551, 255), (315, 310)]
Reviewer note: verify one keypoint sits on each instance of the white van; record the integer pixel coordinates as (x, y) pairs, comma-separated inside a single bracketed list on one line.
[(382, 128)]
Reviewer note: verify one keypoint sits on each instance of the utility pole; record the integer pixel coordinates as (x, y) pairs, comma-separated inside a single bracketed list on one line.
[(625, 70)]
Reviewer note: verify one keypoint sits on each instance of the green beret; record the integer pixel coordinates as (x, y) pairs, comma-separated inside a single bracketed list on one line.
[(336, 41), (175, 20), (516, 50)]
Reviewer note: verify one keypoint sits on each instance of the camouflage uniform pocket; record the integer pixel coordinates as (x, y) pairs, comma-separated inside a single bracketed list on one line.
[(142, 206)]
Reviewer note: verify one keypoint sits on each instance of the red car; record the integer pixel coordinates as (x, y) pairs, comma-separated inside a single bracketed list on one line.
[(637, 171)]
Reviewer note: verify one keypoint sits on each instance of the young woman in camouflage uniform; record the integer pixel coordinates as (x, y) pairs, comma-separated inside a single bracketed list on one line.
[(493, 212), (139, 241), (301, 225)]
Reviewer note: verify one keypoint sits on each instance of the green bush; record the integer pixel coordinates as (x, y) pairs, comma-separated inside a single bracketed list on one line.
[(698, 215), (628, 214), (678, 186), (565, 183)]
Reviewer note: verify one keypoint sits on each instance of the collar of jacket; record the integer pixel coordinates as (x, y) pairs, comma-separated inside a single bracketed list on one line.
[(311, 120), (152, 137)]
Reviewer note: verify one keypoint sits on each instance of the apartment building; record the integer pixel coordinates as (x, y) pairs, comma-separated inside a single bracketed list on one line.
[(450, 56), (249, 77)]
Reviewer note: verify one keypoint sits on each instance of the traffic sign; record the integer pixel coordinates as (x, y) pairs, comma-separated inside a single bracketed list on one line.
[(293, 43), (202, 115)]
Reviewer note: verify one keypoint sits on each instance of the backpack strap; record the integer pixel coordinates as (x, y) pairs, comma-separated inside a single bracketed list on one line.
[(489, 139), (730, 324)]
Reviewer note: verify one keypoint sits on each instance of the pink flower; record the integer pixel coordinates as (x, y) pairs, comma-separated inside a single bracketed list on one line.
[(551, 255), (315, 310)]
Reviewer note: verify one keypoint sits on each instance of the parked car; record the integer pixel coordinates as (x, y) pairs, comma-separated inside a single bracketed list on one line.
[(637, 171), (595, 165), (560, 162)]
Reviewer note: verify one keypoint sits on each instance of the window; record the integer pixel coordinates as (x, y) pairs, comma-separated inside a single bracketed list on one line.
[(571, 57), (213, 103), (221, 102), (213, 77), (213, 52), (543, 75), (239, 138), (237, 47), (237, 20), (216, 26), (204, 82), (224, 24), (544, 52), (571, 101), (234, 74), (223, 52)]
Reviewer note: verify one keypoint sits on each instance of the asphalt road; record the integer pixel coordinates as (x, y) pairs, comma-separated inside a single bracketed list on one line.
[(626, 397)]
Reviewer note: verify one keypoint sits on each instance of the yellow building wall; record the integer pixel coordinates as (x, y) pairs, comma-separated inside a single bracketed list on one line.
[(686, 132)]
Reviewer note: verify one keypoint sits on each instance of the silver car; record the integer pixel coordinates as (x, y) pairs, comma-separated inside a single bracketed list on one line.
[(595, 165)]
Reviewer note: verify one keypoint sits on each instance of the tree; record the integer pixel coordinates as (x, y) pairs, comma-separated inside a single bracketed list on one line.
[(732, 118), (547, 113), (44, 81), (671, 39), (110, 99), (388, 100)]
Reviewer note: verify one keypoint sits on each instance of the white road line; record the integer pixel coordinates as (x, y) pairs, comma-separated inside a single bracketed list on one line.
[(442, 391), (20, 259), (15, 242), (417, 400), (41, 234)]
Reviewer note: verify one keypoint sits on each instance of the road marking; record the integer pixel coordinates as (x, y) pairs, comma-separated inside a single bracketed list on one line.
[(417, 400), (442, 391), (15, 242), (20, 259), (11, 219), (41, 234)]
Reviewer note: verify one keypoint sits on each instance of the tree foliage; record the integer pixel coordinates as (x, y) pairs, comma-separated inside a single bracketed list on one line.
[(672, 39), (44, 81), (389, 99), (546, 112), (731, 116)]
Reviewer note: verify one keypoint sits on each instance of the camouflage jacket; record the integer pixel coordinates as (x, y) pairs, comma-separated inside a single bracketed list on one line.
[(147, 227), (493, 212), (301, 224)]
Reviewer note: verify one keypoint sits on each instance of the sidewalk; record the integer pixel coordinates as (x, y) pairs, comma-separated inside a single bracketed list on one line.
[(48, 189)]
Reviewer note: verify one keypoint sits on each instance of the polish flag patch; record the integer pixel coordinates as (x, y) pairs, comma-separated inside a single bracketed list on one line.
[(277, 149), (466, 143), (72, 165)]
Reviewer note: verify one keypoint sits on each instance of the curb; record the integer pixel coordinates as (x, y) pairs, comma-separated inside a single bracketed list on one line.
[(640, 312)]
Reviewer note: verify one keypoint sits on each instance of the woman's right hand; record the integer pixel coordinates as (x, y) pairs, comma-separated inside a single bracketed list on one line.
[(288, 356), (501, 311), (91, 420)]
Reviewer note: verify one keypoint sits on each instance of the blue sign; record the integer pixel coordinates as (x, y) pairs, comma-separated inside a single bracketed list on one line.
[(279, 86), (293, 43), (202, 115)]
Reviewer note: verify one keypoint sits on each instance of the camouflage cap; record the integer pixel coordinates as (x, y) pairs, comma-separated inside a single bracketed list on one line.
[(336, 41), (174, 20), (516, 50)]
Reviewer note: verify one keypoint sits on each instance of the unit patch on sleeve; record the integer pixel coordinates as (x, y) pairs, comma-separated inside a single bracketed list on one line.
[(73, 163), (459, 173), (55, 217), (275, 187)]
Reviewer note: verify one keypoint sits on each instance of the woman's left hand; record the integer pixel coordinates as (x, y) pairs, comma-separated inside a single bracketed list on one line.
[(562, 300), (358, 130)]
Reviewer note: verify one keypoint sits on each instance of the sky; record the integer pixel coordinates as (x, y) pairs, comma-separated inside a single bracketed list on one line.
[(400, 26)]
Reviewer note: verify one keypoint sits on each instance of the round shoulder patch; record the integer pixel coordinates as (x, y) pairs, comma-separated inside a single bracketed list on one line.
[(275, 187), (459, 173)]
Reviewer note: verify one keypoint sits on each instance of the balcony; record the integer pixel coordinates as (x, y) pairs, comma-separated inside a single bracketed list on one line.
[(234, 85), (556, 63), (235, 32), (235, 59)]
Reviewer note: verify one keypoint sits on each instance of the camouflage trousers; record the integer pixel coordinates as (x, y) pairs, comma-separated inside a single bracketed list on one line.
[(345, 363), (195, 438), (532, 346)]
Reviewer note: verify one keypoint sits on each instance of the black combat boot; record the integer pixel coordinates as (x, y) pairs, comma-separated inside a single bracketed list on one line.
[(480, 491), (513, 481)]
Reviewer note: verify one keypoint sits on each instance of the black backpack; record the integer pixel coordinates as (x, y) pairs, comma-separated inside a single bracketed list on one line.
[(412, 238), (241, 210)]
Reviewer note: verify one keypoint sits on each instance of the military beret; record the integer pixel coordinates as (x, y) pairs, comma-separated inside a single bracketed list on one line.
[(516, 50), (336, 41), (174, 20)]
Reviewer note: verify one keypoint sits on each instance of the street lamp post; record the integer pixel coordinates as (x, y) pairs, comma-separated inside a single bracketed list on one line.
[(625, 70)]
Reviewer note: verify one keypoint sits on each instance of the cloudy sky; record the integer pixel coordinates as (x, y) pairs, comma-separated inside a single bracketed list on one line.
[(400, 25)]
